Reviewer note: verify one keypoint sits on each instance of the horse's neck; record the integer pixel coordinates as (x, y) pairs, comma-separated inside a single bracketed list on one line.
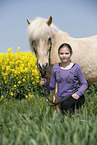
[(59, 38)]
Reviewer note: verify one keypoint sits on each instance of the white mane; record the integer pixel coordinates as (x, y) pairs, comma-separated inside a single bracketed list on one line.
[(39, 29)]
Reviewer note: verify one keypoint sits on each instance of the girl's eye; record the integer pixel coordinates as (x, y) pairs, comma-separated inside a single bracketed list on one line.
[(66, 53)]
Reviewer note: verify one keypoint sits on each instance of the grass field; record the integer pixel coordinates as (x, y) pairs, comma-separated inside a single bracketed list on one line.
[(32, 122)]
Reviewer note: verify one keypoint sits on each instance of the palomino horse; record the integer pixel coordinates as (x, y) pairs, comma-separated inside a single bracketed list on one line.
[(45, 38)]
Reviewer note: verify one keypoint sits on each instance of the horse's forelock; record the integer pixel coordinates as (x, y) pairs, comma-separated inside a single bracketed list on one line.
[(38, 29)]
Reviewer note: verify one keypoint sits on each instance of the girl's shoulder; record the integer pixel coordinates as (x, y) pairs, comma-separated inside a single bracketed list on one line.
[(77, 67), (56, 66)]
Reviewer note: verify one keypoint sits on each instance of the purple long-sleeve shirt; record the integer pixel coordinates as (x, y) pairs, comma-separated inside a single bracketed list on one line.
[(69, 81)]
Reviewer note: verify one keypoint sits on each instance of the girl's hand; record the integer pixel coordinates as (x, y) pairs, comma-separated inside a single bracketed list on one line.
[(75, 96), (43, 81)]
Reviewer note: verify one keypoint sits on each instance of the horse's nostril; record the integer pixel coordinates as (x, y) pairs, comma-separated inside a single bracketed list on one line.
[(39, 66), (45, 66), (42, 67)]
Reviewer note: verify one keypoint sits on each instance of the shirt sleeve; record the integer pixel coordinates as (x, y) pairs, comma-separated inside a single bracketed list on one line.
[(51, 85), (83, 82)]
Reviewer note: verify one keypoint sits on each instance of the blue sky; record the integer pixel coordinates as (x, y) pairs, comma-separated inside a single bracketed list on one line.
[(76, 17)]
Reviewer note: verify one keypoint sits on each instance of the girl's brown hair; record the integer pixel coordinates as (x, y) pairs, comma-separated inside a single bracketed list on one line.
[(65, 45)]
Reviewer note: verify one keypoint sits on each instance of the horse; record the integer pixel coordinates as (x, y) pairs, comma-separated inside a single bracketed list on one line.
[(45, 38)]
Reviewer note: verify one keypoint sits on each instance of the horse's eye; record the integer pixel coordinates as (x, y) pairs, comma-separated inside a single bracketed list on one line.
[(33, 42), (49, 40)]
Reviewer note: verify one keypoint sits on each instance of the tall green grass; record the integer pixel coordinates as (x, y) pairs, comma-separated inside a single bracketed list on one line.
[(33, 122)]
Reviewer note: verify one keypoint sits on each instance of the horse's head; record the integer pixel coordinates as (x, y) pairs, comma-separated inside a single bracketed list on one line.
[(40, 39)]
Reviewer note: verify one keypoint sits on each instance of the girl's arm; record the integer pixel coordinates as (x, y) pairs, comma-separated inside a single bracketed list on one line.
[(51, 84), (83, 82)]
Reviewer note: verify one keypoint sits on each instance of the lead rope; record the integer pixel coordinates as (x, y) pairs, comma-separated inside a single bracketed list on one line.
[(52, 103)]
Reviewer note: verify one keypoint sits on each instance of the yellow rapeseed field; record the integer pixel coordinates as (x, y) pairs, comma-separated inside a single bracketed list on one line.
[(18, 73)]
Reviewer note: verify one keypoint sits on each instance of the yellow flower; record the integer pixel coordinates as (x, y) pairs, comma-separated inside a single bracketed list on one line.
[(31, 96), (18, 48), (3, 68), (19, 82), (26, 96), (9, 50), (14, 86), (32, 78), (11, 93), (33, 83), (2, 97), (24, 80)]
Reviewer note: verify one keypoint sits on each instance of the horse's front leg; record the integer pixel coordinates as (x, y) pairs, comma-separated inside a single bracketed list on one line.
[(54, 96)]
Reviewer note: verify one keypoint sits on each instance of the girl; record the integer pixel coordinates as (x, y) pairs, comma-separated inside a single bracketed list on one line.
[(70, 80)]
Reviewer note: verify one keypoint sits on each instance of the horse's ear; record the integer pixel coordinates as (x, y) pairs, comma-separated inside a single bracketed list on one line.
[(29, 21), (49, 21)]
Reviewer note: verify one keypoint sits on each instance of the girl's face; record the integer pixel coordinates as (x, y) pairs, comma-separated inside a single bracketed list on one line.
[(64, 54)]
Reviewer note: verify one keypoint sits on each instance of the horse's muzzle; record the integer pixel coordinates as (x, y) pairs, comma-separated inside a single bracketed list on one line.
[(42, 68)]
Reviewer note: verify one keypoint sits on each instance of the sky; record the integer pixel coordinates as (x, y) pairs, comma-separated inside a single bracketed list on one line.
[(76, 17)]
